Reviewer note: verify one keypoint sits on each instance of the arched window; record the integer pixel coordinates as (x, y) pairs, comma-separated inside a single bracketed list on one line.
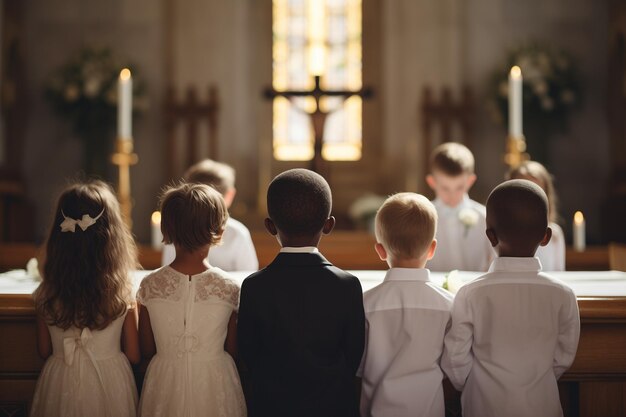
[(317, 38)]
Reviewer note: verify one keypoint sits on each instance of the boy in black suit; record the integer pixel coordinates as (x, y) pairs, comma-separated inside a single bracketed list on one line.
[(301, 326)]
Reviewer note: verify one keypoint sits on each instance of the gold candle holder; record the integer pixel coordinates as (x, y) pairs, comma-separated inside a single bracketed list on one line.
[(515, 151), (124, 158)]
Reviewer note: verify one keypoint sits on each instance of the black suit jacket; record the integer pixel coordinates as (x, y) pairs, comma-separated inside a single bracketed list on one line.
[(301, 334)]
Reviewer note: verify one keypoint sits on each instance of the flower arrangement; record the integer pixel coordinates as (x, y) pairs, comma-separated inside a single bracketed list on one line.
[(363, 210), (84, 91), (551, 89)]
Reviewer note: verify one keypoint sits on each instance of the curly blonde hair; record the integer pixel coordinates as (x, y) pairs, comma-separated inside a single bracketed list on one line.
[(87, 274)]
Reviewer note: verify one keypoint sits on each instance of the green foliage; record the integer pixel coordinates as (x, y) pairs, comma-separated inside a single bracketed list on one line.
[(551, 87), (84, 92)]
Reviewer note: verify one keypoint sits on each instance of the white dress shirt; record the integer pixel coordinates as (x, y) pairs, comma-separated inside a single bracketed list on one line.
[(552, 256), (461, 245), (514, 332), (235, 253), (406, 318)]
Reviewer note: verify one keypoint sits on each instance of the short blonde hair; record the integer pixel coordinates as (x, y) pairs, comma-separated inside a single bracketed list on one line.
[(192, 216), (406, 224), (535, 171), (216, 174), (452, 159)]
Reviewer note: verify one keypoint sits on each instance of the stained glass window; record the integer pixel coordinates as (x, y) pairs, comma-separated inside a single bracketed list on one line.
[(317, 37)]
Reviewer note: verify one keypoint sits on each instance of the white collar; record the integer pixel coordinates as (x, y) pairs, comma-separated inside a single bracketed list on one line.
[(511, 264), (407, 274), (302, 249)]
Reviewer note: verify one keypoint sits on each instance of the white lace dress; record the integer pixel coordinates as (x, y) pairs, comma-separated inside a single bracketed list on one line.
[(191, 374), (87, 375)]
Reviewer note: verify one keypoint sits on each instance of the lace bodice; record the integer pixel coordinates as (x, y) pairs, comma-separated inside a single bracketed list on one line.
[(168, 284), (189, 315)]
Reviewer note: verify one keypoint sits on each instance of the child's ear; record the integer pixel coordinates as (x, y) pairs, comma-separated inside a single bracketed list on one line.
[(380, 250), (471, 179), (430, 180), (546, 237), (431, 250), (493, 238), (329, 225), (229, 196), (270, 227)]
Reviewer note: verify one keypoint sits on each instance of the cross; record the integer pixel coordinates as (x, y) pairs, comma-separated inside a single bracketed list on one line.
[(318, 117)]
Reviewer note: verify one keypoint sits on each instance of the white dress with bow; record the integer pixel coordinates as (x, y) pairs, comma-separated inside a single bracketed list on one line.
[(87, 375)]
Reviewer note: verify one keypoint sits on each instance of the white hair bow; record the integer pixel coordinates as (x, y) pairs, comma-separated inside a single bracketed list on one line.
[(69, 224)]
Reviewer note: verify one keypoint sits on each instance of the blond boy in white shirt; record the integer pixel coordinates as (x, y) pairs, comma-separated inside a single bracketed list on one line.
[(514, 330), (406, 316), (461, 240), (236, 252)]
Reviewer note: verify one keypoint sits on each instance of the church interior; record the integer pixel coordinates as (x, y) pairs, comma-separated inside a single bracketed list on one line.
[(234, 81)]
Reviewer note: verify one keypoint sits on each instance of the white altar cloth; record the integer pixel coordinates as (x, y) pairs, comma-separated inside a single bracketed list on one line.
[(584, 283)]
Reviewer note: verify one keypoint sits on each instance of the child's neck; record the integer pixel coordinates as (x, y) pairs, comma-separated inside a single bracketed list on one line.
[(407, 263), (299, 241), (505, 251), (191, 263)]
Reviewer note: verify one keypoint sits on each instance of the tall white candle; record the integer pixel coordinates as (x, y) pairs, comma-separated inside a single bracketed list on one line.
[(125, 105), (155, 228), (515, 102), (579, 232)]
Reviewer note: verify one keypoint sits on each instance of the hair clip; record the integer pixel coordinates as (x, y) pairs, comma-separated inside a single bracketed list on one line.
[(69, 224)]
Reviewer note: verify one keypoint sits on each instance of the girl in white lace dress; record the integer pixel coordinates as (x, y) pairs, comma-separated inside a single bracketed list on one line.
[(187, 318), (552, 256), (85, 308)]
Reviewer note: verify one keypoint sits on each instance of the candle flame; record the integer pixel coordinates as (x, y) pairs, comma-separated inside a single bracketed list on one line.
[(156, 217), (516, 72), (125, 74), (578, 217)]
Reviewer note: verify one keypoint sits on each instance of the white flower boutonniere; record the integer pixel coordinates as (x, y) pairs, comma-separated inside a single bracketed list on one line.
[(468, 217)]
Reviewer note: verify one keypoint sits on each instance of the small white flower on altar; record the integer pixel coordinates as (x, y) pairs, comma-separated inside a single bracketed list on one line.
[(452, 282), (469, 218), (32, 269)]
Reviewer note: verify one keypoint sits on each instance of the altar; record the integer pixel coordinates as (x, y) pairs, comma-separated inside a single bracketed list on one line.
[(595, 385)]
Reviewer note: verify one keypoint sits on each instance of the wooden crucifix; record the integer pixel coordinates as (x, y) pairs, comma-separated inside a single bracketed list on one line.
[(318, 117)]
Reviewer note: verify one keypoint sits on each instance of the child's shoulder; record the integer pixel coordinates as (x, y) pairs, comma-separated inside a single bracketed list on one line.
[(218, 284), (423, 293), (478, 207), (161, 283), (520, 278), (218, 275), (268, 274)]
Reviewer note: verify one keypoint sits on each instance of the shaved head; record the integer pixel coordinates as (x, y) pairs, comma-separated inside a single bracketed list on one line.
[(517, 213), (299, 202)]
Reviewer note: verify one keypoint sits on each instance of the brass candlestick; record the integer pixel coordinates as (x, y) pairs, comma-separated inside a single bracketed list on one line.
[(515, 151), (124, 158)]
